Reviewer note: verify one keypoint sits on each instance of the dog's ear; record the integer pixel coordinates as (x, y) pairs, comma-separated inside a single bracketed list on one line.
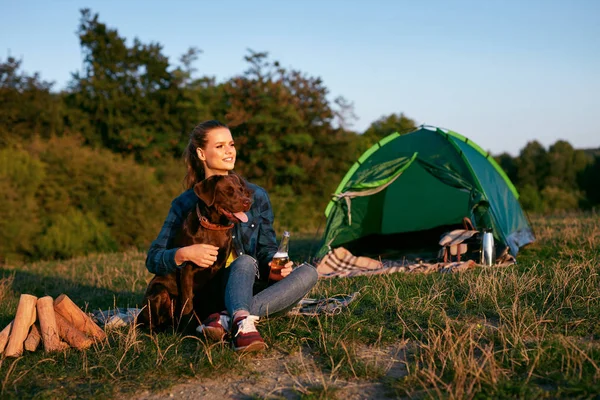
[(205, 190), (237, 178), (242, 182)]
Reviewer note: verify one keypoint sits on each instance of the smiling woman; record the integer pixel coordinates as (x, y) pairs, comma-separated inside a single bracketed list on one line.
[(239, 294), (218, 154)]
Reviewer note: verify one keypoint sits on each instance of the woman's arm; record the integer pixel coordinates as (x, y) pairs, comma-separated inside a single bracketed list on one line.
[(161, 259)]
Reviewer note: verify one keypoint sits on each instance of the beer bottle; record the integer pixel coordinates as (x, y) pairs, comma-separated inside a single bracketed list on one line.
[(280, 258)]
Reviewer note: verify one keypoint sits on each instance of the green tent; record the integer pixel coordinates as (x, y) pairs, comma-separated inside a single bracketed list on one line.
[(407, 190)]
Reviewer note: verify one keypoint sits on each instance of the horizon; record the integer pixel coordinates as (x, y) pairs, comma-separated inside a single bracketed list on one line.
[(502, 74)]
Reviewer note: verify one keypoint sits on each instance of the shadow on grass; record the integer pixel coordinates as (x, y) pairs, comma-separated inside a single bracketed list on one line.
[(86, 296)]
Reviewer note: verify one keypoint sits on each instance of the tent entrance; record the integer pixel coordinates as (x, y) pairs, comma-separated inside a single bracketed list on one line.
[(408, 245), (409, 216)]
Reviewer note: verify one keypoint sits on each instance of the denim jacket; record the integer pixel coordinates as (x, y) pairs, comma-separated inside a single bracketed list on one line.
[(255, 237)]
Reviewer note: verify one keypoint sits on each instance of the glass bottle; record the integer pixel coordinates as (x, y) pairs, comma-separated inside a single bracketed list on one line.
[(281, 257)]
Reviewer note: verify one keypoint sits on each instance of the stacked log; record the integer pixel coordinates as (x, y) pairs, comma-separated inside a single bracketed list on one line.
[(75, 316), (24, 318), (57, 324)]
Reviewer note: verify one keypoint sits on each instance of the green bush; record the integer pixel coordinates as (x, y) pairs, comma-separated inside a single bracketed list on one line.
[(20, 177), (530, 199), (72, 234), (548, 200), (556, 199), (298, 214), (65, 199), (124, 195)]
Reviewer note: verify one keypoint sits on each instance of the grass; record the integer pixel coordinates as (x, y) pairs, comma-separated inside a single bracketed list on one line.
[(528, 331)]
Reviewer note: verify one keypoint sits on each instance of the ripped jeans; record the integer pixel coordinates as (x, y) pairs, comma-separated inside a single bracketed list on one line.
[(278, 298)]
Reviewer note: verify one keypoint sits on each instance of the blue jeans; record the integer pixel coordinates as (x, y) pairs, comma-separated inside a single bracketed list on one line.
[(278, 298)]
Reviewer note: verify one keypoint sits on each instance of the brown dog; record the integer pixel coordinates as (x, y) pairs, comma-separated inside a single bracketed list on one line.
[(223, 199)]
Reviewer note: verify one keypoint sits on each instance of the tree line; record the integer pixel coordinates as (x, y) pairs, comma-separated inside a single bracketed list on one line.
[(94, 166)]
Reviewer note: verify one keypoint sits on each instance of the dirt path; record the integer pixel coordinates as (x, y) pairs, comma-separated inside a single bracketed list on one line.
[(277, 375)]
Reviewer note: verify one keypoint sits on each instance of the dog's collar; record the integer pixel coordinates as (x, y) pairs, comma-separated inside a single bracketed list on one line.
[(209, 225)]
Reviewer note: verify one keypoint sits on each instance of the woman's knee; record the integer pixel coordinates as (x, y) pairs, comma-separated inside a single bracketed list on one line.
[(244, 262), (308, 274)]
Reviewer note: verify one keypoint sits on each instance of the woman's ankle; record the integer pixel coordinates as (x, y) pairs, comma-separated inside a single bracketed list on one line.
[(240, 314)]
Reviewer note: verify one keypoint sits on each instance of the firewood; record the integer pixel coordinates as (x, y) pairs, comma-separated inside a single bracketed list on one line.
[(24, 318), (34, 338), (76, 317), (4, 335), (48, 327), (74, 337)]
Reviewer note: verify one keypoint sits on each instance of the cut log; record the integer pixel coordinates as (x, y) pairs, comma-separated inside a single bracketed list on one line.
[(48, 328), (4, 335), (24, 318), (74, 337), (76, 317), (33, 339)]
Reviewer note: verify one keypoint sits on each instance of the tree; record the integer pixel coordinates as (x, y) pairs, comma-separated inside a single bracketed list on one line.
[(564, 165), (201, 99), (28, 106), (284, 120), (344, 114), (508, 164), (127, 93), (532, 166), (384, 126), (390, 124)]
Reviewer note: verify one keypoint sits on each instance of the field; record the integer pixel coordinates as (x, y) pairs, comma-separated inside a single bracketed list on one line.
[(531, 330)]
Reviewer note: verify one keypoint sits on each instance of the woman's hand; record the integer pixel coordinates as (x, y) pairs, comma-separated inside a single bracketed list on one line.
[(203, 255), (287, 269), (279, 274)]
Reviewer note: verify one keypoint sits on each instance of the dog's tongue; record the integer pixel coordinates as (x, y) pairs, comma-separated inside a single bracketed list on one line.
[(241, 216)]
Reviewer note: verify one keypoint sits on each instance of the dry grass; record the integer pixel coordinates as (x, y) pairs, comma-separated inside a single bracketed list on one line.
[(529, 330)]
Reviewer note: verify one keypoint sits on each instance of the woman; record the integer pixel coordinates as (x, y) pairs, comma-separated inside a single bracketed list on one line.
[(237, 288)]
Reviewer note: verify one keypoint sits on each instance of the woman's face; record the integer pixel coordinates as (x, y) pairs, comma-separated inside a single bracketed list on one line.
[(219, 153)]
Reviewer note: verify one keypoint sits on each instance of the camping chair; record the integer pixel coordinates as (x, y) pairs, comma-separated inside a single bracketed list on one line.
[(453, 243)]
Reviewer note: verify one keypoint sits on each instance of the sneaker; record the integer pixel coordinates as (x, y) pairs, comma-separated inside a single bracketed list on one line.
[(245, 336), (215, 326)]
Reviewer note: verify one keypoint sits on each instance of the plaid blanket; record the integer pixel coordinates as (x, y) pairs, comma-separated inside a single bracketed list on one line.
[(340, 263)]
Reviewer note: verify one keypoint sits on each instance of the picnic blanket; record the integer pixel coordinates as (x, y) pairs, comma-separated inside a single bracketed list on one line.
[(341, 263), (329, 305), (116, 318), (120, 317)]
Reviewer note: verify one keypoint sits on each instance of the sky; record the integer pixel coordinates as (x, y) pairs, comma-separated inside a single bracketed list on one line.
[(500, 72)]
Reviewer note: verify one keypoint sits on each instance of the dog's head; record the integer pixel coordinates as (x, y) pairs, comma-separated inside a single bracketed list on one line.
[(226, 196)]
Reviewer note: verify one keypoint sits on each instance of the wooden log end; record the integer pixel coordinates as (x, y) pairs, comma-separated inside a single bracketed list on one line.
[(76, 317)]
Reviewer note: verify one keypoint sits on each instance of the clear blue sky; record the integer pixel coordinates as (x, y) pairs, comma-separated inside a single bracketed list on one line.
[(500, 72)]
